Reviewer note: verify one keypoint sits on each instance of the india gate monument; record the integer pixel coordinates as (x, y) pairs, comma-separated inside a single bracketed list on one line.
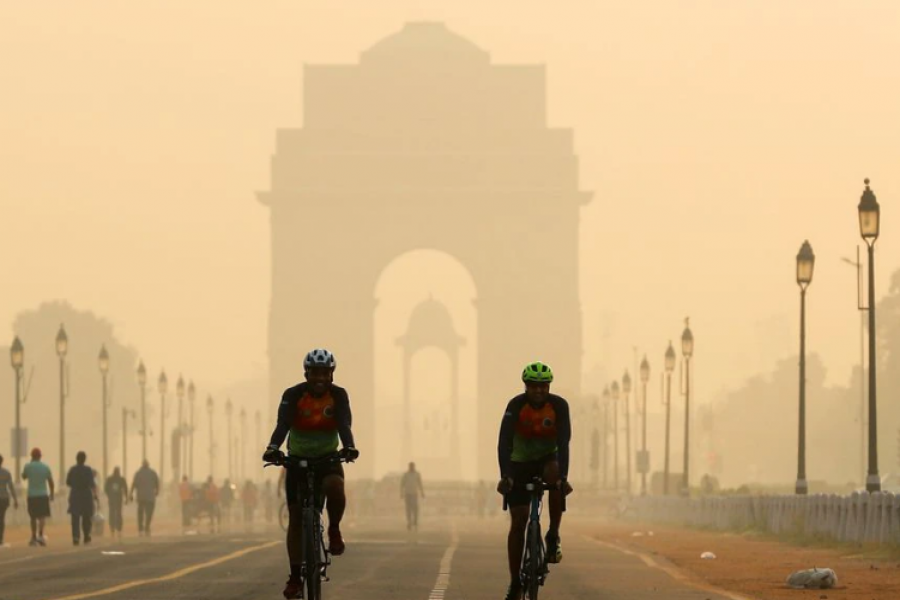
[(425, 144)]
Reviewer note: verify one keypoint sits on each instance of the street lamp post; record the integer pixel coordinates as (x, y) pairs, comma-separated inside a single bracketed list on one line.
[(857, 264), (241, 455), (606, 402), (687, 351), (163, 387), (614, 394), (258, 417), (670, 366), (626, 390), (142, 383), (178, 461), (806, 260), (126, 412), (595, 443), (62, 348), (17, 360), (192, 395), (869, 228), (228, 409), (209, 410), (644, 462), (103, 363)]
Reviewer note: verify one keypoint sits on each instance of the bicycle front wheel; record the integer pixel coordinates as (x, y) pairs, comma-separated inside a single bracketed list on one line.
[(311, 560), (535, 560)]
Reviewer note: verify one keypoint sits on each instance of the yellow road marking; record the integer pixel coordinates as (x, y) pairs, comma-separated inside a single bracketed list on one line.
[(672, 572), (170, 576)]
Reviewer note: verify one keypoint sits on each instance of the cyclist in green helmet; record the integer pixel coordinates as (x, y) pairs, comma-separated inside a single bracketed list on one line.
[(534, 441)]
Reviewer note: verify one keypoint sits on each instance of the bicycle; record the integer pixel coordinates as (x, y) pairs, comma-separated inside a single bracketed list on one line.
[(316, 557), (534, 570)]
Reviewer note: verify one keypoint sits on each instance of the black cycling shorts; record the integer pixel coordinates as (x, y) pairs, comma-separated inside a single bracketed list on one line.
[(295, 482), (522, 473)]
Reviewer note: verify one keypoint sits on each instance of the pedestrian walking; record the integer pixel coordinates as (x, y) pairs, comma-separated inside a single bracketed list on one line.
[(82, 498), (249, 500), (41, 491), (116, 489), (186, 493), (7, 493), (211, 494), (410, 490), (146, 484)]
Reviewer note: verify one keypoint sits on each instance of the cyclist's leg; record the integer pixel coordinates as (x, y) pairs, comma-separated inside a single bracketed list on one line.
[(515, 543), (331, 485), (336, 500), (295, 520), (551, 476)]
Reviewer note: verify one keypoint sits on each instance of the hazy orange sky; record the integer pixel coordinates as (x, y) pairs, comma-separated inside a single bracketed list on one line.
[(717, 136)]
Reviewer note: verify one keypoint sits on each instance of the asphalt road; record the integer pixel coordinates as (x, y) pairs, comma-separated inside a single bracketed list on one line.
[(446, 560)]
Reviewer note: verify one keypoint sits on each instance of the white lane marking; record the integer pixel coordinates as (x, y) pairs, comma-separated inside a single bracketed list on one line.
[(443, 578), (175, 575), (672, 572)]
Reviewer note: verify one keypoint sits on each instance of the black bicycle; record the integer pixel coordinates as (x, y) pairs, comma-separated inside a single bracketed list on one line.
[(534, 570), (316, 557)]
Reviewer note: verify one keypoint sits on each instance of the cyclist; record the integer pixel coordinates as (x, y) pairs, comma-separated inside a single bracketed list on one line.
[(534, 442), (317, 415)]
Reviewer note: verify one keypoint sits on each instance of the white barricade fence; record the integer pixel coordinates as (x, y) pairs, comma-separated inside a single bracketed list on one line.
[(860, 517)]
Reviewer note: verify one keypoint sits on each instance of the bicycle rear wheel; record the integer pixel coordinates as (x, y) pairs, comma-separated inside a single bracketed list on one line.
[(311, 559)]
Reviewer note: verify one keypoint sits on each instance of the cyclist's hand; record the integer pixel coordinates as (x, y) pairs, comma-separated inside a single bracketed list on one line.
[(565, 487), (272, 454), (505, 486), (351, 454)]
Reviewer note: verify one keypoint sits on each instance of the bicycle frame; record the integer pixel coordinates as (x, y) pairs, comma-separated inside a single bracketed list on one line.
[(534, 571), (316, 557)]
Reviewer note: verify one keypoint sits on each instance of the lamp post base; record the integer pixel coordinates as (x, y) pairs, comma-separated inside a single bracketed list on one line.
[(801, 488), (873, 483)]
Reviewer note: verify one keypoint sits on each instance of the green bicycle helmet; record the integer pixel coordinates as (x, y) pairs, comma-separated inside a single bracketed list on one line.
[(537, 372)]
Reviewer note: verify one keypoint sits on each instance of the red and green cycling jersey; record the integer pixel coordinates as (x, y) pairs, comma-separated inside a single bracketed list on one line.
[(529, 433), (313, 426)]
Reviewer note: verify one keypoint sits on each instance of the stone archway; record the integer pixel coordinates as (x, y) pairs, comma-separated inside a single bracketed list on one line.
[(426, 144)]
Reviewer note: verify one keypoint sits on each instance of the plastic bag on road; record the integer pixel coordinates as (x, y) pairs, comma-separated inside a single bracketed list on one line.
[(813, 579)]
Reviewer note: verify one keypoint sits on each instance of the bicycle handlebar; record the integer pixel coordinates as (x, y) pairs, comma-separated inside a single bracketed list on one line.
[(534, 485), (303, 463)]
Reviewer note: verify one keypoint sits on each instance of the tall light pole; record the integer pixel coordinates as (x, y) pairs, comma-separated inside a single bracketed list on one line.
[(806, 260), (192, 396), (595, 443), (857, 264), (644, 462), (103, 363), (163, 387), (614, 394), (142, 383), (228, 408), (687, 351), (626, 390), (670, 367), (179, 460), (126, 412), (17, 360), (209, 410), (62, 348), (606, 403), (243, 440), (258, 429), (869, 228)]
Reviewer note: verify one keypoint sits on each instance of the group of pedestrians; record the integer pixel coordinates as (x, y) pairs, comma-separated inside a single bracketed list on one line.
[(83, 501)]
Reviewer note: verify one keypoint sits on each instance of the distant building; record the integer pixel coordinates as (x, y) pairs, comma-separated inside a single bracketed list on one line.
[(426, 145)]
